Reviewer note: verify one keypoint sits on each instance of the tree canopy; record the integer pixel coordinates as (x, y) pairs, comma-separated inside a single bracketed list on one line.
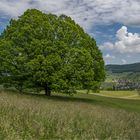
[(49, 52)]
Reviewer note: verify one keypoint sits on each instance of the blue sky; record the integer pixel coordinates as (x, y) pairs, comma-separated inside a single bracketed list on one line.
[(115, 24)]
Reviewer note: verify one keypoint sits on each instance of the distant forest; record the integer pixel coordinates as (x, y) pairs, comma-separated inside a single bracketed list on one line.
[(123, 68)]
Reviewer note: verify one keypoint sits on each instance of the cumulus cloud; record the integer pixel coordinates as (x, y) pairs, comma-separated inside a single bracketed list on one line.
[(124, 61), (127, 42), (86, 12), (109, 57)]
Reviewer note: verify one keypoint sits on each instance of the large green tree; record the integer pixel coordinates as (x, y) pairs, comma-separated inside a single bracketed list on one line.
[(50, 52)]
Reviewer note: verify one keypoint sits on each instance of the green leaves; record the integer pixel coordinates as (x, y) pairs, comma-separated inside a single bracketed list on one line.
[(49, 51)]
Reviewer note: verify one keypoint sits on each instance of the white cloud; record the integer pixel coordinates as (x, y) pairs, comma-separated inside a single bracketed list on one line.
[(107, 46), (13, 8), (109, 57), (127, 42), (124, 61), (86, 12)]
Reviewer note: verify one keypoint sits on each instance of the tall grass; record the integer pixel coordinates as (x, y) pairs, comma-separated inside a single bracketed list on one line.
[(37, 117)]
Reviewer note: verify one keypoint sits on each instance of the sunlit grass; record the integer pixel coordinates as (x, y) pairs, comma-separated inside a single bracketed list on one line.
[(119, 93)]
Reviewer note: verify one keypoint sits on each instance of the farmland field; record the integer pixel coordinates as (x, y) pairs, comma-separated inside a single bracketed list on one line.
[(83, 116)]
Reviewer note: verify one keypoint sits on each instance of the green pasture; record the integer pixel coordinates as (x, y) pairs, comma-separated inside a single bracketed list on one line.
[(127, 94)]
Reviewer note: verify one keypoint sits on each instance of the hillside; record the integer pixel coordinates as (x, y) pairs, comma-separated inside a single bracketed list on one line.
[(123, 68)]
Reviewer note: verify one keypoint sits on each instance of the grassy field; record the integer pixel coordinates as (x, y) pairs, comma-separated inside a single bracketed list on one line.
[(61, 117), (121, 94)]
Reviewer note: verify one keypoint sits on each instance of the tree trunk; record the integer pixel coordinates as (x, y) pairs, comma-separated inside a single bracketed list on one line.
[(47, 91)]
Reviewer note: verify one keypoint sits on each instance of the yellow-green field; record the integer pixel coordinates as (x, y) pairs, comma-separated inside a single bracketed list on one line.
[(120, 94), (62, 117)]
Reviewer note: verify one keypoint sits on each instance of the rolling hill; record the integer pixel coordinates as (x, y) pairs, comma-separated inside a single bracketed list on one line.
[(123, 68)]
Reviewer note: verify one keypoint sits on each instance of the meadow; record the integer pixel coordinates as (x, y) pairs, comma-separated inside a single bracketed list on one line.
[(120, 94), (83, 116)]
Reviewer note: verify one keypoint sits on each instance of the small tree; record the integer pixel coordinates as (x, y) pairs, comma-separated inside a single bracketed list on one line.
[(50, 52)]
